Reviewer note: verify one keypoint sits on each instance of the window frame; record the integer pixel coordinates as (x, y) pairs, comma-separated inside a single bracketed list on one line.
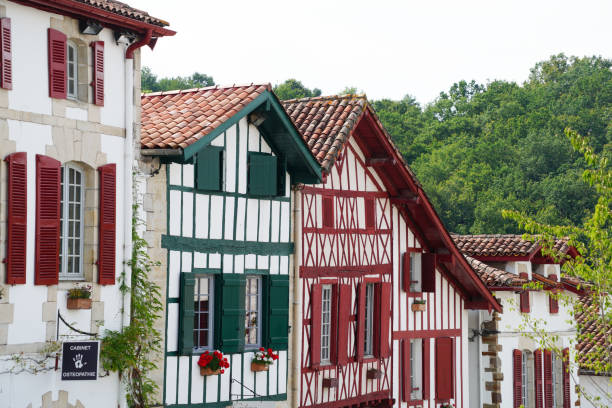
[(326, 326), (368, 341), (63, 275), (75, 66), (416, 369), (259, 311), (211, 312), (525, 381)]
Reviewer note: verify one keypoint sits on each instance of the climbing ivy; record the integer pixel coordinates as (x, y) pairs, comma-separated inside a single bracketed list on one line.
[(132, 351)]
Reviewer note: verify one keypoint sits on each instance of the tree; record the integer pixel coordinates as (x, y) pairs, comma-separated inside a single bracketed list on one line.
[(294, 89), (150, 83)]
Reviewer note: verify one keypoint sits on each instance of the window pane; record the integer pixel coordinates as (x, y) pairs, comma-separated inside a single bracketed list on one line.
[(202, 316), (325, 321), (252, 319), (369, 315)]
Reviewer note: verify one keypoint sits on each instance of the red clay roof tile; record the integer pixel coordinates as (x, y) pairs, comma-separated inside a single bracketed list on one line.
[(500, 245)]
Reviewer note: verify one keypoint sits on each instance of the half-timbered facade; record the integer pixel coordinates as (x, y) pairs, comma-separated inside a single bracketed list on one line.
[(69, 71), (218, 166), (382, 295)]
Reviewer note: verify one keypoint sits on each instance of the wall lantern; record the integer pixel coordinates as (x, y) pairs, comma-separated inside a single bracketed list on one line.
[(90, 27)]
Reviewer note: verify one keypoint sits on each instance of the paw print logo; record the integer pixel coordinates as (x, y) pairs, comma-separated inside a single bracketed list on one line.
[(78, 361)]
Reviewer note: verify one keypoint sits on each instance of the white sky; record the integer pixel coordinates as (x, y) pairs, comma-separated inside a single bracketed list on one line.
[(386, 48)]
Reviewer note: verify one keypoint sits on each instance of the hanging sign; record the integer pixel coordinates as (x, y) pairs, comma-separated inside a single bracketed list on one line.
[(80, 360)]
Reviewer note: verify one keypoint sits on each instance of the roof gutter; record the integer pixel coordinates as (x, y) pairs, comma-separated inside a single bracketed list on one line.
[(129, 53), (162, 152)]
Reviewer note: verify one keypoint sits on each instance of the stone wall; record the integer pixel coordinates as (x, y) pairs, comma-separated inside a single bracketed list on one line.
[(493, 375)]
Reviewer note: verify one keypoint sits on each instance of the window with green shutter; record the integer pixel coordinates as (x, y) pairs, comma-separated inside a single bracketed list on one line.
[(263, 174), (229, 312), (209, 169), (187, 313), (277, 312)]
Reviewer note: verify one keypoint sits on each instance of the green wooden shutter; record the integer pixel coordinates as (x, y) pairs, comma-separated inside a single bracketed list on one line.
[(209, 166), (186, 313), (229, 312), (262, 174), (282, 176), (277, 312)]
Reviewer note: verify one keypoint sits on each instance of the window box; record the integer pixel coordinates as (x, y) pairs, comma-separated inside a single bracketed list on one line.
[(418, 306), (74, 304), (205, 371), (330, 383), (373, 374), (256, 367)]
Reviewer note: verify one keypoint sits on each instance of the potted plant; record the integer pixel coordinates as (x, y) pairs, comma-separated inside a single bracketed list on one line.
[(419, 305), (262, 360), (79, 297), (212, 363), (447, 405)]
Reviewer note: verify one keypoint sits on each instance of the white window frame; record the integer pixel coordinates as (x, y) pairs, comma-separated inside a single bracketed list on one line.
[(525, 378), (554, 365), (368, 342), (64, 222), (326, 314), (416, 369), (415, 270), (211, 311), (75, 68), (258, 314)]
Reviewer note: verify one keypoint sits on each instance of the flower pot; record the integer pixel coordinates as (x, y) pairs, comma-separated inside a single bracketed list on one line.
[(418, 307), (78, 304), (208, 371), (255, 367)]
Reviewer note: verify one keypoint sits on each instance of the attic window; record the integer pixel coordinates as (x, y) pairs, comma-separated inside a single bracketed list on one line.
[(263, 174), (209, 169)]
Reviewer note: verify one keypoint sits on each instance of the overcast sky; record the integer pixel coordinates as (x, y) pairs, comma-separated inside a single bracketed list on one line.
[(385, 48)]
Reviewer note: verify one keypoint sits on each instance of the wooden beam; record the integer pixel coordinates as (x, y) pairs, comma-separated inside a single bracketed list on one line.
[(380, 161)]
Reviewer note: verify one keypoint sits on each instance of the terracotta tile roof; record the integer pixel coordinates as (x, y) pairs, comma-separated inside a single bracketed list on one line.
[(123, 9), (493, 277), (500, 245), (593, 333), (180, 118), (326, 122)]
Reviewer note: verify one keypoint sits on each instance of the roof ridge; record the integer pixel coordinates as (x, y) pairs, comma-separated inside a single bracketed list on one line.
[(327, 97), (205, 88)]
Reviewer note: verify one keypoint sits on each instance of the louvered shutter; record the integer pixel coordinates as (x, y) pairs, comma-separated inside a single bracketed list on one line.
[(328, 211), (333, 327), (229, 312), (278, 312), (444, 368), (370, 213), (187, 313), (382, 320), (428, 272), (344, 315), (517, 380), (405, 374), (107, 228), (209, 165), (553, 303), (361, 320), (537, 362), (57, 64), (426, 353), (6, 65), (524, 296), (566, 379), (407, 273), (48, 190), (17, 218), (98, 72), (548, 385), (315, 325)]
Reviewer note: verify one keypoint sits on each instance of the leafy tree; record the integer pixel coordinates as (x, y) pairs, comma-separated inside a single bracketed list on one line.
[(150, 83), (294, 89)]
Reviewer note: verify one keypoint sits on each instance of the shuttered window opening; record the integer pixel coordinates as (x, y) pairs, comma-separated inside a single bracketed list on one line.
[(48, 191), (566, 379), (370, 213), (519, 396), (98, 72), (548, 384), (382, 320), (71, 223), (428, 272), (229, 312), (327, 215), (262, 174), (524, 296), (6, 62), (57, 64), (17, 200), (416, 369), (316, 296), (203, 313), (326, 315), (537, 362), (444, 369), (209, 169), (411, 272), (525, 380), (71, 70), (368, 339), (344, 316), (253, 316), (107, 227)]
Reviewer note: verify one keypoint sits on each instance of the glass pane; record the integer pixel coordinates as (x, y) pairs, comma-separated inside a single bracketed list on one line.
[(78, 178), (71, 176)]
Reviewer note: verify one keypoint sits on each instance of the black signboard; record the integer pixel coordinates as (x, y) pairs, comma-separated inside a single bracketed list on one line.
[(80, 360)]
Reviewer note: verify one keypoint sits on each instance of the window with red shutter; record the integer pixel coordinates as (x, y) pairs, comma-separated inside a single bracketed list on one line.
[(370, 213), (48, 177), (17, 218), (57, 64), (107, 228), (315, 325), (428, 272), (405, 368), (517, 380), (382, 320), (524, 296), (537, 362), (98, 72), (6, 63), (553, 303), (361, 298), (426, 369), (548, 385), (566, 379), (344, 315), (406, 272), (328, 212), (444, 369)]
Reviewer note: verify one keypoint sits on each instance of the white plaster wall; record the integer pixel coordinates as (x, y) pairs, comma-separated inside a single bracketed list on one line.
[(598, 388), (113, 111)]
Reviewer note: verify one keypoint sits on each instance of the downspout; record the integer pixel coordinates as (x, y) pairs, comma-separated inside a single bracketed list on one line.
[(479, 355), (296, 327)]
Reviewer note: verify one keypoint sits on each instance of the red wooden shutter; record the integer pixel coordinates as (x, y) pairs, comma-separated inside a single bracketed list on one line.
[(517, 380), (6, 66), (405, 367), (553, 303), (428, 272), (361, 320), (315, 326), (548, 385), (382, 320), (370, 213), (98, 72), (566, 379), (328, 211), (537, 362), (48, 193), (17, 218), (524, 296), (444, 368), (333, 326), (57, 64), (426, 369), (107, 229), (344, 315), (407, 273)]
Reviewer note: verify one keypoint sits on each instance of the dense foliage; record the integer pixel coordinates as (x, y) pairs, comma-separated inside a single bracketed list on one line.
[(150, 83), (292, 89)]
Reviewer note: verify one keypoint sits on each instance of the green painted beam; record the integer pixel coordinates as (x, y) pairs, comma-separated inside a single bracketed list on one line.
[(226, 246)]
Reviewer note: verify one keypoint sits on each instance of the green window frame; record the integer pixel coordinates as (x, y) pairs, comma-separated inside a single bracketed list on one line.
[(209, 168)]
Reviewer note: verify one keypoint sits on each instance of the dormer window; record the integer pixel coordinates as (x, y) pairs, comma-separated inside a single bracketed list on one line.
[(72, 69)]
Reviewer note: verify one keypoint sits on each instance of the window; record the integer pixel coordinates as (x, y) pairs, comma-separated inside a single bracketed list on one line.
[(263, 169), (416, 369), (369, 320), (209, 169), (328, 211), (415, 269), (252, 335), (555, 363), (71, 223), (326, 295), (525, 379), (203, 313), (72, 68)]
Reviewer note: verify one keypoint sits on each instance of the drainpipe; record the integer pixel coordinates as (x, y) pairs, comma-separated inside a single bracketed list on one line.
[(296, 327), (479, 355)]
